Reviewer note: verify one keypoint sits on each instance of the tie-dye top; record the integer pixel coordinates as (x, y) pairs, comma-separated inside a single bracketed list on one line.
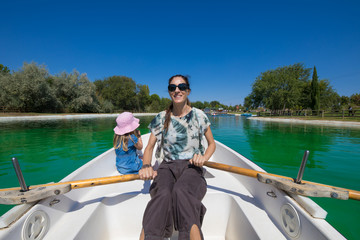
[(181, 141)]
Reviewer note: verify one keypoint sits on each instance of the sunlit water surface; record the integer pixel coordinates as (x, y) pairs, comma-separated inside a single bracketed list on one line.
[(50, 150)]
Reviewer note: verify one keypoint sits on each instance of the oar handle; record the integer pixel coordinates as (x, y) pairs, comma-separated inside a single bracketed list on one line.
[(103, 181)]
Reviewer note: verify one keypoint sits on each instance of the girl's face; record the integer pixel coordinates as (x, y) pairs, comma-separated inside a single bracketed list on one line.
[(178, 96)]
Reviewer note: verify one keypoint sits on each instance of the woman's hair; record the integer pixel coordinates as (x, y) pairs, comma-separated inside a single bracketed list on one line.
[(124, 139), (169, 109)]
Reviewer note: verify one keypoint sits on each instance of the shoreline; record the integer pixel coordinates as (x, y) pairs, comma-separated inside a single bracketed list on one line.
[(67, 116), (309, 122), (108, 115)]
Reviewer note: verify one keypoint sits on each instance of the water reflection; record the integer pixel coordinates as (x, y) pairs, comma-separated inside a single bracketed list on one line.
[(284, 145)]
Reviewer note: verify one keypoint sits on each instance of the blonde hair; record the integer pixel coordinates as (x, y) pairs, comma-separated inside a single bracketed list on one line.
[(122, 140)]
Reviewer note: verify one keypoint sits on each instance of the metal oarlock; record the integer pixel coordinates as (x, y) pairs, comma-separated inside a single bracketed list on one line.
[(19, 175), (302, 167)]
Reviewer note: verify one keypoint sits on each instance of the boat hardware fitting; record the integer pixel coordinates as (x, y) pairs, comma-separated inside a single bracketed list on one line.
[(302, 167), (19, 174)]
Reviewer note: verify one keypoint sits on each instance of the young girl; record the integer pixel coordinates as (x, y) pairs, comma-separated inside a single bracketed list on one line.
[(127, 140)]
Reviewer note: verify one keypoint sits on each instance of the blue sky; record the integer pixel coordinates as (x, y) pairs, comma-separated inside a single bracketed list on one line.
[(222, 45)]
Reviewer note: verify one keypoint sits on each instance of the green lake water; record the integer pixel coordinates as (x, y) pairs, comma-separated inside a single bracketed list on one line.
[(49, 150)]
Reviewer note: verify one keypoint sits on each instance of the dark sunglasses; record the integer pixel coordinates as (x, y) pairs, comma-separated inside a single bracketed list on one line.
[(181, 86)]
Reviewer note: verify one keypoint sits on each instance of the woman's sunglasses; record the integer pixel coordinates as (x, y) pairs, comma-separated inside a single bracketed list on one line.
[(181, 86)]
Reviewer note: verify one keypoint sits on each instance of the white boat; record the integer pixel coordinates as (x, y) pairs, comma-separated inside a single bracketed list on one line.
[(238, 207)]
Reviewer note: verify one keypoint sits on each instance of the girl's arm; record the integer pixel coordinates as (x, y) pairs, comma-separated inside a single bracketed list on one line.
[(139, 144), (147, 172)]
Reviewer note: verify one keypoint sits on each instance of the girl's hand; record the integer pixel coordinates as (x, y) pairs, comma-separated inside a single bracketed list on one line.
[(198, 160), (147, 173)]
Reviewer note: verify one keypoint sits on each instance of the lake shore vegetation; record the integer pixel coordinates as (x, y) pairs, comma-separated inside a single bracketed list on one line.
[(33, 90)]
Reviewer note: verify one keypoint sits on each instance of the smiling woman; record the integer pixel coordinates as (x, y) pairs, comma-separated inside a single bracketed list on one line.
[(179, 184)]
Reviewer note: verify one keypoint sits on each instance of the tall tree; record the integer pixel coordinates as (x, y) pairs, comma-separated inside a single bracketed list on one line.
[(143, 96), (120, 91), (329, 99), (280, 88), (315, 91)]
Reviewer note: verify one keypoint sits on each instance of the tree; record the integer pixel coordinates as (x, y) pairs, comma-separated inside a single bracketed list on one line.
[(355, 99), (328, 99), (32, 90), (76, 93), (4, 69), (198, 105), (344, 100), (143, 96), (248, 102), (7, 96), (120, 91), (85, 99), (315, 91), (154, 104), (280, 88), (215, 104)]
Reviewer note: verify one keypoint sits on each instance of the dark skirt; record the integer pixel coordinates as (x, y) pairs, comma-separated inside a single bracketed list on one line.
[(176, 195)]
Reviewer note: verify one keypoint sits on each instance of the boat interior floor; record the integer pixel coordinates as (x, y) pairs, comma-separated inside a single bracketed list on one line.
[(232, 213)]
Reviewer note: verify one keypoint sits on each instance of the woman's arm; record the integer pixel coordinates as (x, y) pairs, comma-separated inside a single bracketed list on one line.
[(147, 172), (198, 159)]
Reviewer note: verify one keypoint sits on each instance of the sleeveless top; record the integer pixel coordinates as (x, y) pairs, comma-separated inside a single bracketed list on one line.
[(183, 138)]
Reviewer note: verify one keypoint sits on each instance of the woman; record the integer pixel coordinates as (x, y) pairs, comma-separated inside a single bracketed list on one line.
[(179, 184)]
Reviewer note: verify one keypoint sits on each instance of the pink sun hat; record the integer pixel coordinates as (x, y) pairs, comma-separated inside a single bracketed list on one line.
[(125, 123)]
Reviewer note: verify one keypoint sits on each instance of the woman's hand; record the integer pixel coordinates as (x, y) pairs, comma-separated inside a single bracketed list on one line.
[(147, 173), (198, 160)]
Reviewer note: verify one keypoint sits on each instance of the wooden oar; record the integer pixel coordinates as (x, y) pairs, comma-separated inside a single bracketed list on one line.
[(38, 192), (305, 188)]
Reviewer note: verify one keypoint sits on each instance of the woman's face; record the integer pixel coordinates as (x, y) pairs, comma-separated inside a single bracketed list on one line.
[(178, 96)]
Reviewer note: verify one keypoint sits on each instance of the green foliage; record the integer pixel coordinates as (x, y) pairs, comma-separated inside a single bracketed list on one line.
[(249, 102), (120, 91), (328, 98), (290, 88), (4, 69), (33, 89), (315, 92), (344, 100), (198, 105), (143, 96), (280, 88), (355, 99), (124, 94)]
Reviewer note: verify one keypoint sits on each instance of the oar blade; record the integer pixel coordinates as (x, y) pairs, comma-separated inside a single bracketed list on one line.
[(16, 196), (304, 189)]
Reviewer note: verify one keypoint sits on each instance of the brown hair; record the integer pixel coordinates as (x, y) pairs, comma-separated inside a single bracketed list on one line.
[(169, 109), (124, 139)]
